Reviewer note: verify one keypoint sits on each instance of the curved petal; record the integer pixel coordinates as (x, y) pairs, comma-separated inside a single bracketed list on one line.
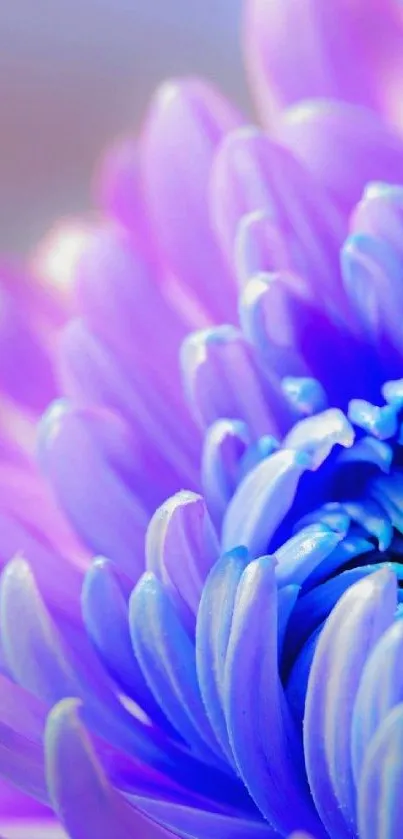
[(381, 688), (83, 799), (187, 120), (181, 547), (380, 806), (340, 49), (265, 745), (262, 500), (85, 455), (343, 146), (354, 627), (252, 173), (222, 380)]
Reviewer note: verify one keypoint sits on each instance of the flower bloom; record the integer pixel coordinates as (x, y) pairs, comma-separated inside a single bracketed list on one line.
[(232, 398)]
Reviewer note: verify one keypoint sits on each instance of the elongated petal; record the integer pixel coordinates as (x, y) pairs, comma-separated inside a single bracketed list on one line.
[(181, 548), (371, 275), (105, 612), (251, 173), (381, 688), (222, 381), (225, 444), (380, 810), (214, 622), (92, 374), (26, 373), (187, 121), (43, 660), (340, 50), (85, 455), (297, 558), (169, 664), (202, 824), (119, 189), (262, 500), (355, 625), (265, 747), (84, 800), (291, 332), (363, 148), (22, 723)]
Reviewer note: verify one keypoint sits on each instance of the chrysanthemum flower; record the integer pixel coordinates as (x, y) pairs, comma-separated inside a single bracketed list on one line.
[(239, 676)]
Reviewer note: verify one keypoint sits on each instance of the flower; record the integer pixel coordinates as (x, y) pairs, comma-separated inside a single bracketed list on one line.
[(240, 676)]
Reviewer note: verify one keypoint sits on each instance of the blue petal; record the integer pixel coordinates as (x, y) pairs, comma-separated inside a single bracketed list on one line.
[(389, 494), (260, 450), (265, 746), (262, 500), (380, 689), (372, 518), (42, 662), (318, 435), (380, 422), (298, 557), (214, 622), (225, 443), (393, 393), (352, 630), (367, 450), (380, 806), (169, 666), (105, 613)]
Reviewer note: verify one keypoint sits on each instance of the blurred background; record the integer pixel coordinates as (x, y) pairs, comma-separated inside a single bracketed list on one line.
[(76, 73)]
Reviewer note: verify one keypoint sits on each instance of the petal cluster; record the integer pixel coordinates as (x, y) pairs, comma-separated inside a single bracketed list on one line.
[(201, 599)]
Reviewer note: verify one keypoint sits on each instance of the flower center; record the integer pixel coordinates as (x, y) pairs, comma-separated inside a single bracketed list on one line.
[(354, 493)]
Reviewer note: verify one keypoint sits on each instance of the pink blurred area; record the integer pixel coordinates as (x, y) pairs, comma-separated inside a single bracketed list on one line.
[(74, 73)]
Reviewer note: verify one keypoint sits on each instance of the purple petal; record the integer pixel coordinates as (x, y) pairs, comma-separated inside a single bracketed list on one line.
[(250, 174), (85, 455), (344, 147), (181, 548), (119, 188), (204, 824), (26, 374), (105, 612), (371, 273), (354, 627), (84, 800), (340, 50), (44, 661), (380, 213), (93, 375), (186, 123), (21, 759), (222, 381)]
